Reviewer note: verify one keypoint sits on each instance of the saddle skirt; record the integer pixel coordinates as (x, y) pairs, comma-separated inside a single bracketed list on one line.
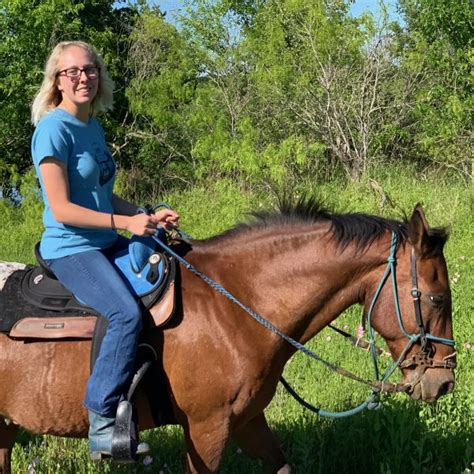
[(57, 313)]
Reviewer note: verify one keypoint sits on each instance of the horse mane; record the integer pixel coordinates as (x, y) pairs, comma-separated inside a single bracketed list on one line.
[(358, 228)]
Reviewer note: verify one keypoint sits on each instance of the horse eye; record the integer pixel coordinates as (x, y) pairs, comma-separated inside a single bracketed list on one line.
[(436, 300)]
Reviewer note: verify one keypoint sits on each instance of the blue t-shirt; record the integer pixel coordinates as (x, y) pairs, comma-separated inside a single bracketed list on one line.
[(91, 174)]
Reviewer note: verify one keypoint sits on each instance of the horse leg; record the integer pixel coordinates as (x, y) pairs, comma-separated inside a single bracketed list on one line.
[(205, 443), (258, 441), (8, 433)]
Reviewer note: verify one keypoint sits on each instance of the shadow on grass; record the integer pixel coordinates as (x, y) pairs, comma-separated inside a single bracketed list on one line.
[(392, 440)]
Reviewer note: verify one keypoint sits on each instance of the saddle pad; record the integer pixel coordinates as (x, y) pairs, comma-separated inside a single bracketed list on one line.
[(21, 319), (14, 307)]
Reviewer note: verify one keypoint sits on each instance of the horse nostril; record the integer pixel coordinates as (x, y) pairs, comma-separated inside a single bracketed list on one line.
[(445, 388)]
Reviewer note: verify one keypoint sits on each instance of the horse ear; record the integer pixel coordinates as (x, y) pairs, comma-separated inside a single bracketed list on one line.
[(418, 229)]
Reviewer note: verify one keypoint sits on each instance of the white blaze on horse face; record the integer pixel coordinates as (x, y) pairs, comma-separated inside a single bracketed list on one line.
[(6, 269)]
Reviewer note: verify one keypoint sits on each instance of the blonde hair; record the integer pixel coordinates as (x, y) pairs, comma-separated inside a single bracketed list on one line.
[(49, 97)]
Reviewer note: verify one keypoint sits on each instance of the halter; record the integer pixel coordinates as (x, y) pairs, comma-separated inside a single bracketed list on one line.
[(423, 357)]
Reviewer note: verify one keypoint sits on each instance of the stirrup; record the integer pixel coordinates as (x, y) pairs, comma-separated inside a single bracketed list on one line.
[(125, 439), (125, 445)]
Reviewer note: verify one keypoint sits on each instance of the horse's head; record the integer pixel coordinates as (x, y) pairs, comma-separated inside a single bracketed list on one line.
[(419, 335)]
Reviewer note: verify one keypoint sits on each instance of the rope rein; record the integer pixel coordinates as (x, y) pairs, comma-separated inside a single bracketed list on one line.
[(379, 385)]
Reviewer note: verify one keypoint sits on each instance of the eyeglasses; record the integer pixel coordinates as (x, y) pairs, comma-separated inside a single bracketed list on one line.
[(74, 73)]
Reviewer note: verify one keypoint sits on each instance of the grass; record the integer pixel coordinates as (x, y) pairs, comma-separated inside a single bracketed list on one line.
[(402, 437)]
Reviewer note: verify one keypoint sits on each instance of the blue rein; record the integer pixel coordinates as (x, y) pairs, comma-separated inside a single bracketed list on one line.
[(372, 402)]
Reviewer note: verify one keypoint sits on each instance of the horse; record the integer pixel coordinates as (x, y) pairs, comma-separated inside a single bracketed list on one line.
[(300, 266)]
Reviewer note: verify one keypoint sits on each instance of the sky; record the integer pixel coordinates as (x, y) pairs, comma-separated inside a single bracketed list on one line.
[(359, 6)]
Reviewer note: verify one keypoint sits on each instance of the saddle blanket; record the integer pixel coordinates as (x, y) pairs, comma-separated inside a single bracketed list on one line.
[(34, 305)]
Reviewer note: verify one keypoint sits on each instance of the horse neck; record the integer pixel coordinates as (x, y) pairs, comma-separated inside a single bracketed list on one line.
[(297, 277)]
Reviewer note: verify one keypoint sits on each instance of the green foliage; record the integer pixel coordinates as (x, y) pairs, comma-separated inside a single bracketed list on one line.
[(163, 87), (25, 33), (263, 92), (22, 225), (439, 46), (242, 80), (213, 96), (305, 87)]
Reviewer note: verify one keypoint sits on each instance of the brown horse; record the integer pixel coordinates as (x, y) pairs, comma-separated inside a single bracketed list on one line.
[(301, 267)]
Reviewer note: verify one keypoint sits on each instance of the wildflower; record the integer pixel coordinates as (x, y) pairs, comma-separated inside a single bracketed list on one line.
[(346, 327), (328, 338), (147, 460), (33, 464), (467, 345), (360, 331)]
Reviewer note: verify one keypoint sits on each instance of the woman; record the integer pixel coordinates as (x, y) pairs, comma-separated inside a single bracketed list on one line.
[(81, 217)]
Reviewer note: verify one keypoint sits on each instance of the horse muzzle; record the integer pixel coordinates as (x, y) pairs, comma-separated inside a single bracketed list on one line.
[(428, 379), (432, 384)]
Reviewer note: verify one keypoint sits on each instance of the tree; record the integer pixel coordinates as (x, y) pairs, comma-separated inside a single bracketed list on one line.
[(438, 45), (190, 93), (161, 92), (267, 91), (329, 79)]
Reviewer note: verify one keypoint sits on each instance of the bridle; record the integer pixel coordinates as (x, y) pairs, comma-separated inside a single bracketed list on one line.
[(423, 359)]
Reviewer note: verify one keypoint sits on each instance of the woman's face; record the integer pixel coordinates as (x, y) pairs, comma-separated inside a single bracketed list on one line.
[(78, 78)]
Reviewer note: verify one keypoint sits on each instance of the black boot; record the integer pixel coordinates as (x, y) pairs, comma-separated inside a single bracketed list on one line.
[(101, 430)]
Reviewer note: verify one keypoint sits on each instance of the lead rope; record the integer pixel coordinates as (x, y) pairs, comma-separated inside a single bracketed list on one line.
[(264, 322)]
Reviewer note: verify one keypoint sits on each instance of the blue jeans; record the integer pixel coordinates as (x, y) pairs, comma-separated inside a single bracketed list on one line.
[(92, 278)]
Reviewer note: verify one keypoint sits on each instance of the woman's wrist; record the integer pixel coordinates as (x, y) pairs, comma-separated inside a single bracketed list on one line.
[(121, 222)]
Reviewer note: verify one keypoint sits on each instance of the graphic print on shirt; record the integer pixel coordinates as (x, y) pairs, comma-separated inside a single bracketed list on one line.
[(106, 164)]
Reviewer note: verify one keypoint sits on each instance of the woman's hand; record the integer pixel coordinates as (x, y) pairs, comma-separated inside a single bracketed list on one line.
[(167, 218), (141, 224), (145, 225)]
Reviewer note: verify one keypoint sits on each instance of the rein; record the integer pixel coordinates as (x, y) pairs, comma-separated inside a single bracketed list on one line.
[(379, 385)]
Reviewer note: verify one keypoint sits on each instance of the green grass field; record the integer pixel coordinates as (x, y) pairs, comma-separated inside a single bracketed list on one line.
[(402, 437)]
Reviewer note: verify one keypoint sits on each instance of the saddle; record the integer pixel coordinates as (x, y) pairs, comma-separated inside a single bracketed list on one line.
[(149, 274)]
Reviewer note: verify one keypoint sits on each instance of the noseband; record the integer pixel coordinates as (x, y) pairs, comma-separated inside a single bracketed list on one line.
[(423, 359)]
